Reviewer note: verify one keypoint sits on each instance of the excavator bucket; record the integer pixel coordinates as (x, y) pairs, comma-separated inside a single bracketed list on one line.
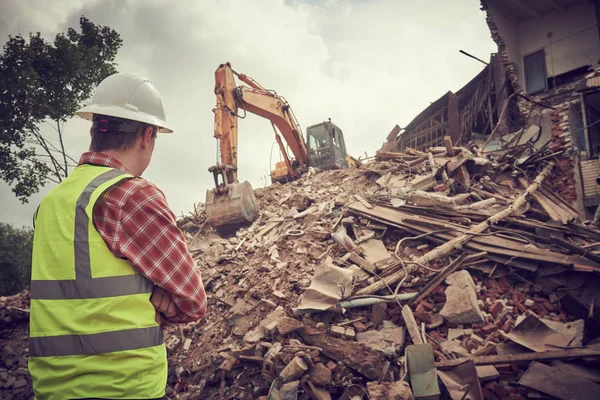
[(236, 207)]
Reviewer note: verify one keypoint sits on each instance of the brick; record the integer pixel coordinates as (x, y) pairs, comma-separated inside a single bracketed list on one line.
[(378, 312), (427, 305), (496, 309), (338, 331), (489, 328), (359, 326)]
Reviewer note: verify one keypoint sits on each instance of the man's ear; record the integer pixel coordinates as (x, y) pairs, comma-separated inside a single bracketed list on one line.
[(147, 136), (91, 131)]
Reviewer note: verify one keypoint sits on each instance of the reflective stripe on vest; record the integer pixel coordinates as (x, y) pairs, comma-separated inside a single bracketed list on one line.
[(84, 286)]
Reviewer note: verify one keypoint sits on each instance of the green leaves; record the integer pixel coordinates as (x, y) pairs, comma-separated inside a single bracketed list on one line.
[(42, 81), (15, 259)]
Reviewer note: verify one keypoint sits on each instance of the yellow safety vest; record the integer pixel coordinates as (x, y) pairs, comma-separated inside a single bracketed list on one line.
[(92, 327)]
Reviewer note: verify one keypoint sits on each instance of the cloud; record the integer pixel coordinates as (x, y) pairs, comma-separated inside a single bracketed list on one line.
[(365, 65)]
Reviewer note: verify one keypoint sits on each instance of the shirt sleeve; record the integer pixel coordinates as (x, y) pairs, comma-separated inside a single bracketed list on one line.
[(147, 235)]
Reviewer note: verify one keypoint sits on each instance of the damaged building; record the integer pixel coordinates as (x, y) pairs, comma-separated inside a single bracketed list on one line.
[(541, 89)]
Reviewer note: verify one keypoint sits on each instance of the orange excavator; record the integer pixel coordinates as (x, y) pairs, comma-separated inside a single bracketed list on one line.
[(231, 204)]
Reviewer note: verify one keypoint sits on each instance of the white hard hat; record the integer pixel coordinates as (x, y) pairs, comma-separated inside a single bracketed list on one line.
[(128, 96)]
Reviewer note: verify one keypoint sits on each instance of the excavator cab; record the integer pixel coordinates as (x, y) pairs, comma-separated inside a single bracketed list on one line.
[(326, 146)]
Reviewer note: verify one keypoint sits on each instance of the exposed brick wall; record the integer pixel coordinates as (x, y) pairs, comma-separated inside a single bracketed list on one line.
[(513, 77), (562, 181)]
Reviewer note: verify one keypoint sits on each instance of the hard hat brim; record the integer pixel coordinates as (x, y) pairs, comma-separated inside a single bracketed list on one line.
[(88, 111)]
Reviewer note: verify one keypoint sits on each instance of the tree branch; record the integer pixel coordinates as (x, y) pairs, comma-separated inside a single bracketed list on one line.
[(62, 147), (42, 142)]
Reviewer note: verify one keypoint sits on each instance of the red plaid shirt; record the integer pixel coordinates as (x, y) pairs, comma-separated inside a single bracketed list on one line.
[(136, 223)]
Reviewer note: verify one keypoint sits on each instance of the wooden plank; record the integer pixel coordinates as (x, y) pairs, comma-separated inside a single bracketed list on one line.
[(363, 201), (510, 358), (359, 357), (554, 211), (546, 379), (411, 325)]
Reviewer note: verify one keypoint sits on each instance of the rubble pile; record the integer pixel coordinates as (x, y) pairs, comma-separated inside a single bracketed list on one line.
[(15, 382), (450, 273), (376, 281)]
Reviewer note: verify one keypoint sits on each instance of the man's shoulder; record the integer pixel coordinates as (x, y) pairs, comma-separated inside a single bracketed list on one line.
[(134, 189)]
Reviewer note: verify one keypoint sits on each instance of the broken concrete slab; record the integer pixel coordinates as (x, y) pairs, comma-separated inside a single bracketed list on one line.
[(287, 325), (320, 375), (398, 390), (258, 333), (487, 372), (330, 283), (387, 340), (461, 300), (374, 251)]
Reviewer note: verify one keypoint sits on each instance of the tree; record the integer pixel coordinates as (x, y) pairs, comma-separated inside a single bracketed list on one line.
[(46, 83), (15, 258)]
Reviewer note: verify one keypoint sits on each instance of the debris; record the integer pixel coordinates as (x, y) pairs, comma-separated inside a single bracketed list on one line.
[(378, 313), (462, 382), (461, 305), (439, 278), (537, 336), (257, 334), (422, 372), (577, 370), (338, 331), (458, 241), (375, 252), (509, 358), (361, 358), (329, 285), (320, 375), (388, 340), (341, 237), (287, 325), (398, 390), (432, 320), (411, 325), (561, 385), (294, 370), (487, 372)]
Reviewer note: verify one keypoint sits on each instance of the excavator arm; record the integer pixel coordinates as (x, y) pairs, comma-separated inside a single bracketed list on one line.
[(255, 99), (232, 204)]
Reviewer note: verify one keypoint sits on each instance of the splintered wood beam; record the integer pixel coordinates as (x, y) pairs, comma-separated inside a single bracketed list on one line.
[(509, 358), (521, 4)]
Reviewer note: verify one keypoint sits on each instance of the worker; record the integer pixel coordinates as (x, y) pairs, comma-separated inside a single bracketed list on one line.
[(110, 265)]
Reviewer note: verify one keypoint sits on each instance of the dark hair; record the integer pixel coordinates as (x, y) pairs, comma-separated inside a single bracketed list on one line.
[(112, 133)]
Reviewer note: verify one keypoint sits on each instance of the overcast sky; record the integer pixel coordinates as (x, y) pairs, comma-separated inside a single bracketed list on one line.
[(367, 65)]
